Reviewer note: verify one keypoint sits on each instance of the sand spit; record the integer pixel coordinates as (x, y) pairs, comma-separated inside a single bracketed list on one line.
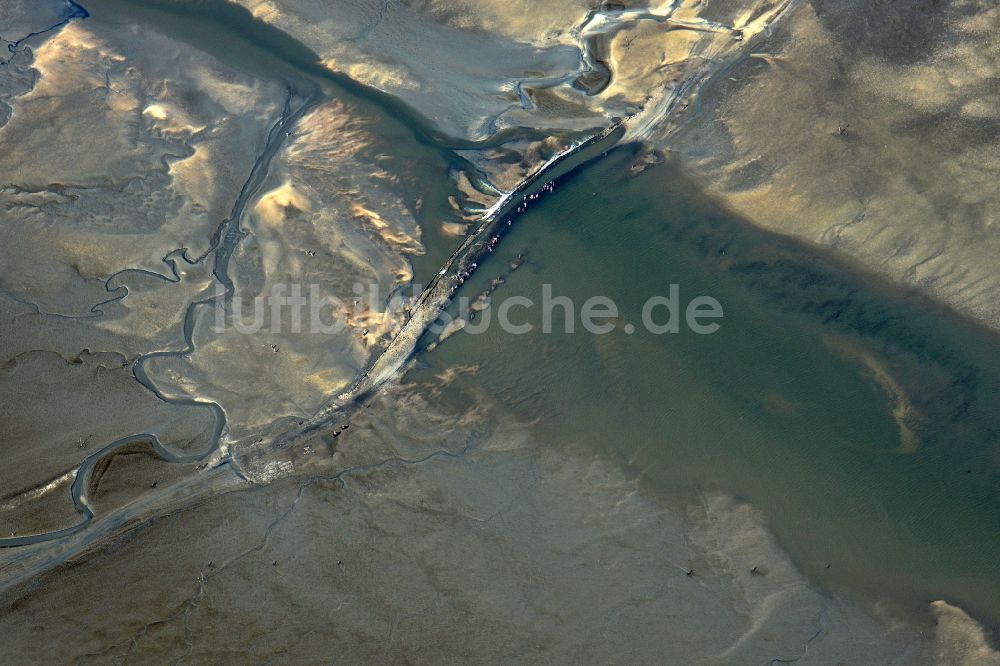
[(172, 175), (875, 143), (483, 528), (331, 220), (472, 73), (335, 509)]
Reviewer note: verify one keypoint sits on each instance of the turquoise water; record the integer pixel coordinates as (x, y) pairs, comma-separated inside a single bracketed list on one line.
[(792, 404)]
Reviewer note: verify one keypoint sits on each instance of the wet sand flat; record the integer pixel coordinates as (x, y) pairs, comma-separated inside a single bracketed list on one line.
[(814, 482)]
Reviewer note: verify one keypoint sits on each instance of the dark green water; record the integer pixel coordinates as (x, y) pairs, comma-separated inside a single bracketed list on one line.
[(790, 405), (780, 406)]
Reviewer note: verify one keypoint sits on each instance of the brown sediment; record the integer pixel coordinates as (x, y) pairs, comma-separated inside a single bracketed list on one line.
[(877, 143), (427, 483)]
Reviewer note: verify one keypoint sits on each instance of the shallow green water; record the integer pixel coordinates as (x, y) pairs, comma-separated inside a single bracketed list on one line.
[(780, 406)]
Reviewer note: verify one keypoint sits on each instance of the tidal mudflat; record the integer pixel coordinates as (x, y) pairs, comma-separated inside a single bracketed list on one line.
[(193, 476)]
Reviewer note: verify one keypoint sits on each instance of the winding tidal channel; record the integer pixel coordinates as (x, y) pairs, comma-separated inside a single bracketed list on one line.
[(825, 465)]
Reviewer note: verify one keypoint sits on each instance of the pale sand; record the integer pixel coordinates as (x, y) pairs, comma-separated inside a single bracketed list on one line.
[(882, 147), (329, 215), (905, 187), (105, 209)]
